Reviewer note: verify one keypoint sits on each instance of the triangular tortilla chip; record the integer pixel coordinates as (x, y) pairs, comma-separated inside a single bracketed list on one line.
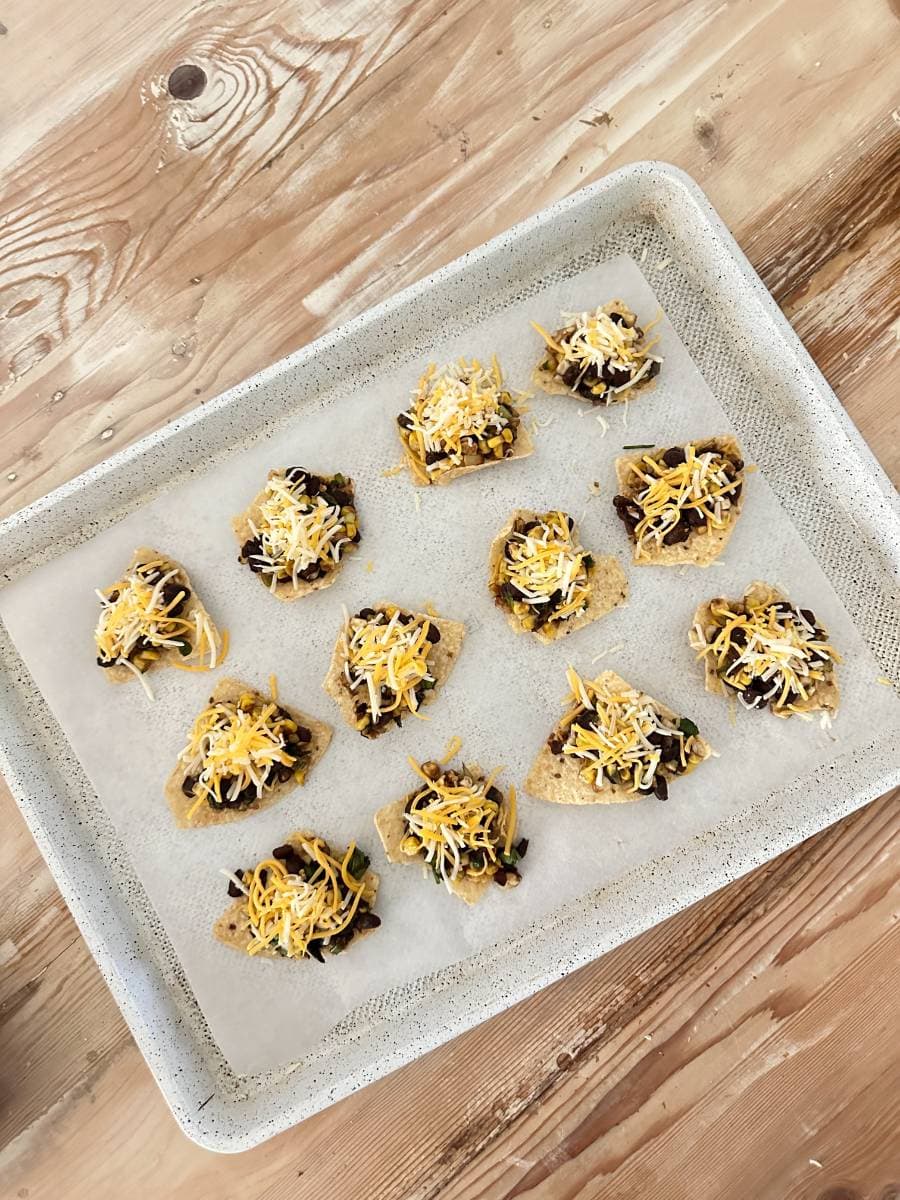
[(825, 697), (609, 586), (523, 446), (703, 545), (168, 656), (441, 659), (232, 690), (557, 779), (284, 589), (233, 927)]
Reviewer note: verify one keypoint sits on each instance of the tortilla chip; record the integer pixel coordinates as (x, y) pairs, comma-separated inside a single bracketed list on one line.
[(703, 545), (825, 697), (284, 589), (557, 779), (180, 804), (167, 655), (549, 381), (609, 586), (392, 829), (233, 927), (522, 447), (442, 657)]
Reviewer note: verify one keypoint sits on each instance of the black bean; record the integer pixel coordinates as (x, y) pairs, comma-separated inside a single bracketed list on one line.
[(694, 517), (570, 374), (106, 662), (615, 376), (366, 920), (113, 596), (654, 370), (314, 950), (494, 793), (500, 877), (233, 890), (187, 785), (367, 614), (618, 318), (808, 616), (433, 634), (522, 847), (167, 594), (284, 771), (404, 420), (303, 735), (433, 456), (555, 743), (295, 474), (674, 457), (678, 533), (660, 787)]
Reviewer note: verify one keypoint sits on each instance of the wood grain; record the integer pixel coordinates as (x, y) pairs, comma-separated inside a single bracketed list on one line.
[(154, 251)]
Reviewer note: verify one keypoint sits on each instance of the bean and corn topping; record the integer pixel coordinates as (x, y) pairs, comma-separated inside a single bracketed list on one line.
[(306, 898), (306, 523), (144, 615), (460, 825), (617, 735), (673, 493), (238, 750), (543, 575), (600, 355), (461, 416), (386, 665), (769, 652)]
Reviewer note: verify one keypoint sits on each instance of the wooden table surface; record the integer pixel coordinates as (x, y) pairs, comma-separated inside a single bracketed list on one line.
[(155, 250)]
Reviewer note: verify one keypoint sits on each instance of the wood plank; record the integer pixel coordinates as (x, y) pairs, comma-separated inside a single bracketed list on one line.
[(716, 1055)]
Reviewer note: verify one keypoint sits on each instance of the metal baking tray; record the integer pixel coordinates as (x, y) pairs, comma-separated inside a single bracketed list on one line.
[(787, 417)]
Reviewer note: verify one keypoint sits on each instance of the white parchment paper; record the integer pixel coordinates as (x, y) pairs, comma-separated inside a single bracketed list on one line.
[(502, 698)]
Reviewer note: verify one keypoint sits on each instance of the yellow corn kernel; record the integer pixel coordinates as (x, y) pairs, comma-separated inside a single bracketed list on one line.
[(507, 435), (494, 441), (362, 722), (246, 700), (409, 845), (289, 725), (300, 775)]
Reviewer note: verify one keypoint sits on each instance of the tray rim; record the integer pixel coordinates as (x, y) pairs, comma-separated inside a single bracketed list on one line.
[(84, 911)]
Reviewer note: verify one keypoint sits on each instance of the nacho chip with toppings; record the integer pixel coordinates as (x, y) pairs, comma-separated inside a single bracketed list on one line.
[(545, 580), (767, 651), (245, 751), (388, 663), (602, 357), (614, 744), (461, 419), (459, 826), (298, 530), (304, 901), (152, 617), (680, 505)]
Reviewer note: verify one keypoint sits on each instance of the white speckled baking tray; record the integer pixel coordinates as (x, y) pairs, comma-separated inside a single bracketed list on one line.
[(791, 425)]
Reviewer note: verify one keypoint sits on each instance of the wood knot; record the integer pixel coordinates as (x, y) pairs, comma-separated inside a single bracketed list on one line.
[(187, 82), (840, 1193), (705, 131)]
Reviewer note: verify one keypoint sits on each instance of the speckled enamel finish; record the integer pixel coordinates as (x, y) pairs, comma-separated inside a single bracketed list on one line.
[(782, 410)]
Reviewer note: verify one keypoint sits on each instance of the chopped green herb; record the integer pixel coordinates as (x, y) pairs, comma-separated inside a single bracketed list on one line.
[(510, 860), (358, 863), (428, 684), (184, 646), (639, 446), (687, 727)]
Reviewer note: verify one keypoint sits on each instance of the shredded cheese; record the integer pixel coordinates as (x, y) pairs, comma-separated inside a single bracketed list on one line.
[(289, 911), (460, 416), (298, 536), (601, 354), (144, 614), (666, 502), (768, 651), (386, 653), (622, 737), (238, 749), (456, 827), (544, 573)]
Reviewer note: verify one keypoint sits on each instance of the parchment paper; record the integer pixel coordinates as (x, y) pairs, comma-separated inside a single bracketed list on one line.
[(502, 698)]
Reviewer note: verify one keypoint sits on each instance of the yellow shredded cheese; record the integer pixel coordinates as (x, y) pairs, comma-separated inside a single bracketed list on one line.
[(544, 574), (769, 651), (288, 911), (238, 749), (460, 416), (695, 493), (386, 667), (297, 536), (599, 357), (455, 826), (145, 614), (622, 737)]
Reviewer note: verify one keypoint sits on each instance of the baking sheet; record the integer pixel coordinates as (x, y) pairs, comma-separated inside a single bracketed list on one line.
[(502, 697)]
